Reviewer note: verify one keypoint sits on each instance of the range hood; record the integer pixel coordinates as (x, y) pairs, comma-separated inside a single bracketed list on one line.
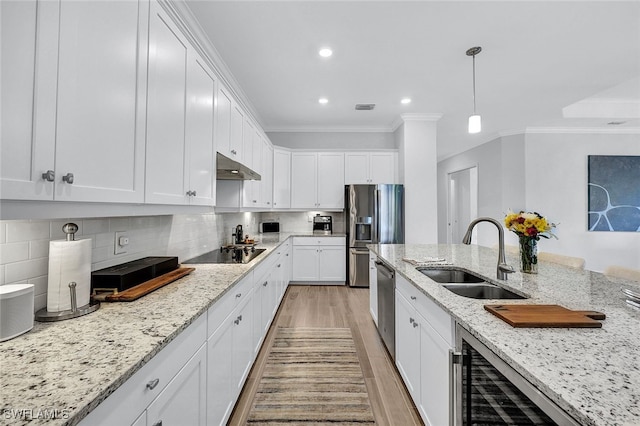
[(228, 169)]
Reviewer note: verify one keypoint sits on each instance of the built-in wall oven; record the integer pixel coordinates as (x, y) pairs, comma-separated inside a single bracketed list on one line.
[(487, 391)]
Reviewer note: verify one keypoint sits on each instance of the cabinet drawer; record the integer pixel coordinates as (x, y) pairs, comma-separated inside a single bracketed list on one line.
[(319, 241), (227, 303), (126, 404), (437, 317)]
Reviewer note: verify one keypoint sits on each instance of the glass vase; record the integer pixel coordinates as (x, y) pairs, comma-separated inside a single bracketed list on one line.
[(528, 255)]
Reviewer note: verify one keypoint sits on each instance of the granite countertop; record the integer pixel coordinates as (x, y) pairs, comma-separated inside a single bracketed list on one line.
[(592, 374), (71, 366)]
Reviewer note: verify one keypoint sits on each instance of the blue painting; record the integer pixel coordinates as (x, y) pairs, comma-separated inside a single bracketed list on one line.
[(614, 193)]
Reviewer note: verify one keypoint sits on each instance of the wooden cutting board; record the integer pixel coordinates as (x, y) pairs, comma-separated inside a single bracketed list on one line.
[(146, 287), (523, 316)]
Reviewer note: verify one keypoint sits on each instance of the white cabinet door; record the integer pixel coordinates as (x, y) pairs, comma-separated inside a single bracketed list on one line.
[(220, 388), (281, 179), (332, 263), (199, 132), (330, 177), (304, 180), (166, 109), (305, 263), (242, 346), (373, 287), (237, 131), (223, 121), (382, 167), (356, 168), (248, 134), (100, 114), (23, 37), (434, 376), (184, 400), (408, 345), (266, 184)]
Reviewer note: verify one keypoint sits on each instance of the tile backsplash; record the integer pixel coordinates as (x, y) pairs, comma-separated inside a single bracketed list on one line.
[(24, 245)]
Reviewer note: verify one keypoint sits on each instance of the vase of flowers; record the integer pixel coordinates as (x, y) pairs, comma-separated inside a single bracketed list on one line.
[(529, 227)]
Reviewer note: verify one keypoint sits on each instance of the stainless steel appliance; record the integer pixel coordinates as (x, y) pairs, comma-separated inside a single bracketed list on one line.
[(322, 225), (374, 214), (486, 390), (266, 227), (232, 253), (386, 306)]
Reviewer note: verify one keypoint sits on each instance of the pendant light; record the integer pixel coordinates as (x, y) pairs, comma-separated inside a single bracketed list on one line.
[(475, 123)]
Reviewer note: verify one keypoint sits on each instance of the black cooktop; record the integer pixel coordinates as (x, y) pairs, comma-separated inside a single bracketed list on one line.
[(227, 255)]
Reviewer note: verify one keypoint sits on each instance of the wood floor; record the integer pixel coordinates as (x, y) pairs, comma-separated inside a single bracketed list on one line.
[(339, 306)]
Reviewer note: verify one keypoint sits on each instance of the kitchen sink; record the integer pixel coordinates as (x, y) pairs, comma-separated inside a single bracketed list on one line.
[(440, 275), (467, 284), (482, 291)]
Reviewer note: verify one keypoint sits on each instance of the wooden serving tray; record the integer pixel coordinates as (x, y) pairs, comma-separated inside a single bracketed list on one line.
[(540, 316), (146, 287)]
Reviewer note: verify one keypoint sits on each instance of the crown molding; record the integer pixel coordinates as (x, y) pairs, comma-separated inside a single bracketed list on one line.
[(584, 130), (328, 130), (403, 118)]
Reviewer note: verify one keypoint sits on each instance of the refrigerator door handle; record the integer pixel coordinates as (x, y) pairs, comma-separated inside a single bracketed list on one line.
[(375, 239)]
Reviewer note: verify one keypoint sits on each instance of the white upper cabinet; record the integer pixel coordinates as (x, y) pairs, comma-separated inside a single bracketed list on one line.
[(281, 179), (166, 103), (369, 167), (223, 121), (266, 184), (237, 131), (180, 116), (317, 180), (199, 132), (88, 116)]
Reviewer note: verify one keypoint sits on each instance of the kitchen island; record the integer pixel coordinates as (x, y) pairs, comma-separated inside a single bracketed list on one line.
[(592, 374)]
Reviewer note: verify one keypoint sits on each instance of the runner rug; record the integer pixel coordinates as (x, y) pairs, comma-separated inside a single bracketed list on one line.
[(312, 376)]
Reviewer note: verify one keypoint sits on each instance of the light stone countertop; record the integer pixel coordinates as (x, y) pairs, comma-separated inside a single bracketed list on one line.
[(71, 366), (593, 374)]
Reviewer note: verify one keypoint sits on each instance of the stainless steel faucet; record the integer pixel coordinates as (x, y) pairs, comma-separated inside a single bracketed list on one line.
[(503, 269)]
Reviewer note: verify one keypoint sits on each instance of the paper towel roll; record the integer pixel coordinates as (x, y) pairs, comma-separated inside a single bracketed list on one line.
[(68, 261)]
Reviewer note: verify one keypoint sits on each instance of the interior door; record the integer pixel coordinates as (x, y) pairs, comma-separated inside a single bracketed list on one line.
[(462, 203)]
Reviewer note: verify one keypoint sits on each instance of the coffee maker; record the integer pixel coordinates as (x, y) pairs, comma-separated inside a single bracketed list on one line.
[(322, 225)]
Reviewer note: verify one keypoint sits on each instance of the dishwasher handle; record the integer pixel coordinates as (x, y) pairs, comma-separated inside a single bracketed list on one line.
[(384, 270)]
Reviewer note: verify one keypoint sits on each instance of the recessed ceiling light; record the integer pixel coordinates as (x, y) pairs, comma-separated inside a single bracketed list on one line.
[(325, 52), (323, 100), (406, 100)]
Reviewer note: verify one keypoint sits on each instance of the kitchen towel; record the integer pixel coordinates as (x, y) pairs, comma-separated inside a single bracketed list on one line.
[(69, 261)]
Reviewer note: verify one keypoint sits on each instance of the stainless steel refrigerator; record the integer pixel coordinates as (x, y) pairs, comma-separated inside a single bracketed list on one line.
[(374, 214)]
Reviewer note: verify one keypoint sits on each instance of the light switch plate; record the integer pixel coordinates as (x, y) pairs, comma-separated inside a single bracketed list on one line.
[(121, 242)]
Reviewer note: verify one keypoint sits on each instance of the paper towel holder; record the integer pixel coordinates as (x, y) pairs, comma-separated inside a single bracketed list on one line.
[(45, 316)]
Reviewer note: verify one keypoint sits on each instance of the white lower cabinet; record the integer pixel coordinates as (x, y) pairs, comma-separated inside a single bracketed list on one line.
[(321, 259), (424, 336), (164, 375), (184, 400)]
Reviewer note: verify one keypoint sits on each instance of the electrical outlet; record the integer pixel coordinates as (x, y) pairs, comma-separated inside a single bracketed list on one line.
[(121, 242), (310, 218)]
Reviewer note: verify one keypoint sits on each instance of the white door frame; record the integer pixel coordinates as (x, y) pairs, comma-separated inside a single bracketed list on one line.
[(452, 191)]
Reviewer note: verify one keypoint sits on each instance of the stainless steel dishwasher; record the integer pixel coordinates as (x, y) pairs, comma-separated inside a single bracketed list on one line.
[(386, 306)]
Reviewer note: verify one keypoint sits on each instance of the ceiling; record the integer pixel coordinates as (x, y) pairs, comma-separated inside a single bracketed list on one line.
[(537, 58)]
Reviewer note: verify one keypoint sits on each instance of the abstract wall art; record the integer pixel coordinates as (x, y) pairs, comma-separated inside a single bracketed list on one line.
[(614, 193)]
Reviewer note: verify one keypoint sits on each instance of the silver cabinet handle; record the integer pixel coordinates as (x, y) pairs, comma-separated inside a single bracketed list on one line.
[(265, 283), (268, 202), (49, 176), (238, 295), (413, 298), (68, 178), (158, 423), (411, 320), (189, 193), (240, 317), (254, 201), (415, 324), (237, 320), (279, 265), (152, 384)]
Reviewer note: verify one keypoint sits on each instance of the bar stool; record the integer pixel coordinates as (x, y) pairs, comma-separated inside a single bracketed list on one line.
[(560, 259), (623, 272)]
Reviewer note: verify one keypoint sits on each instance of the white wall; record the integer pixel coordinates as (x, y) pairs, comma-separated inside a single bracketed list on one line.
[(24, 245), (547, 173), (556, 175), (333, 140)]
